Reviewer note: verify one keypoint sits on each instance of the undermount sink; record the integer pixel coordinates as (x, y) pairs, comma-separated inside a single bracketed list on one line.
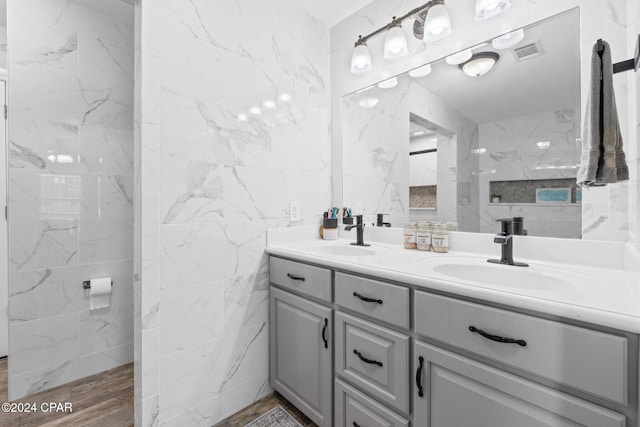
[(534, 277), (343, 250)]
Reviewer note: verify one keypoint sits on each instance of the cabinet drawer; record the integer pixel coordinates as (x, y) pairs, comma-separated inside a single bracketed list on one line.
[(306, 279), (374, 358), (391, 302), (588, 360), (354, 408)]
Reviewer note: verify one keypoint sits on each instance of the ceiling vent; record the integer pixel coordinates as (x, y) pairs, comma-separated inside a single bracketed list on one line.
[(527, 52)]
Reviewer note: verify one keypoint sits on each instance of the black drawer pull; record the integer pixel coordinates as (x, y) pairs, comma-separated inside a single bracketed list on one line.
[(365, 360), (292, 277), (355, 424), (367, 299), (521, 343), (419, 377), (324, 333)]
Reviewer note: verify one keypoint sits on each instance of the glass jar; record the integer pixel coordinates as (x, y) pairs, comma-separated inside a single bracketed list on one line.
[(440, 238), (410, 230), (423, 235)]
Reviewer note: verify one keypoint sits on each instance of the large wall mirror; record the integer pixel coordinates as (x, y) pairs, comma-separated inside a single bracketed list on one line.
[(443, 143)]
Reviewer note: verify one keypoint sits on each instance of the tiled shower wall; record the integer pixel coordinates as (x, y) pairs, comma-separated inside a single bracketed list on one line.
[(215, 173), (632, 144), (70, 188)]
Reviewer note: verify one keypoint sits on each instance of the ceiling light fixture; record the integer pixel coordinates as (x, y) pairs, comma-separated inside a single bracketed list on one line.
[(489, 9), (432, 23), (508, 40), (395, 45), (459, 57), (479, 64)]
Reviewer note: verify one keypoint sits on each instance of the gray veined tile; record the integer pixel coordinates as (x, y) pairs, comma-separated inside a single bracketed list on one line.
[(104, 63), (105, 328), (105, 240), (46, 48), (105, 151)]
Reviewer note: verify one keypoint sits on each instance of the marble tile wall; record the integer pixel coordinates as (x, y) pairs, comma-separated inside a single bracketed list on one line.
[(70, 188), (605, 211), (232, 107), (632, 144), (375, 154), (524, 160)]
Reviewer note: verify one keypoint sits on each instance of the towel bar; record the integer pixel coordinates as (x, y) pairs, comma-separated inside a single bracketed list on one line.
[(87, 284), (629, 64)]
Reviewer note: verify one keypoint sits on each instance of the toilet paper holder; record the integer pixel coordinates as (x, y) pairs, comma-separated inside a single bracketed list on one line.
[(87, 284)]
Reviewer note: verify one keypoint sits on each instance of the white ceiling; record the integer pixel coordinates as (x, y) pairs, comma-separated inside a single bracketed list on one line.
[(330, 12)]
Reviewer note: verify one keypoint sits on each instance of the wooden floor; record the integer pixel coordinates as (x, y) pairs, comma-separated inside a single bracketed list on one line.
[(105, 399), (262, 406)]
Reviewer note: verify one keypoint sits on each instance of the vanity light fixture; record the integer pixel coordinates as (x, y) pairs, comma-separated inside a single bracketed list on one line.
[(361, 58), (479, 64), (508, 40), (432, 23), (425, 70), (459, 57), (389, 83), (489, 9), (395, 45)]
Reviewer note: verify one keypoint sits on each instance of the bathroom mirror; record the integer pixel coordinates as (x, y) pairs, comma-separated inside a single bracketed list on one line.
[(505, 143)]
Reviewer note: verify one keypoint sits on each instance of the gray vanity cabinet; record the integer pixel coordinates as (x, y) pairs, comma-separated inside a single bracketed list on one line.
[(301, 354), (452, 390)]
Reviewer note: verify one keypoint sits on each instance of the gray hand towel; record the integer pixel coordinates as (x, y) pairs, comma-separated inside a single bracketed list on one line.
[(602, 161)]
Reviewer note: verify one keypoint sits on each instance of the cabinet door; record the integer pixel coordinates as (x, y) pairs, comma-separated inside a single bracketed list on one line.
[(457, 391), (300, 353)]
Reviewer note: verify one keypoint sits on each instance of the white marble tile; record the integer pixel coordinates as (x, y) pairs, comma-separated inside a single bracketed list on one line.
[(46, 48), (192, 192), (192, 315), (107, 197), (62, 373), (205, 414), (150, 90), (105, 328), (189, 256), (250, 194), (595, 221), (150, 307), (245, 394), (246, 300), (37, 245), (43, 145), (105, 240), (150, 227), (150, 362), (198, 374), (150, 173), (105, 151), (150, 411), (104, 63), (41, 343)]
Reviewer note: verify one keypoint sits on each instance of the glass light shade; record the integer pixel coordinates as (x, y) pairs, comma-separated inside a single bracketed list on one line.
[(489, 9), (389, 83), (425, 70), (395, 45), (437, 25), (459, 57), (480, 64), (361, 60), (508, 40)]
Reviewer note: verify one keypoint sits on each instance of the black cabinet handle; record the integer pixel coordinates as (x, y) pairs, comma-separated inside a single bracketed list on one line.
[(521, 343), (365, 360), (292, 277), (367, 299), (355, 424), (324, 333), (419, 377)]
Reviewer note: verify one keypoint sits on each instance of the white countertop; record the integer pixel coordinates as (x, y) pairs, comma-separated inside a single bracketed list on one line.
[(603, 294)]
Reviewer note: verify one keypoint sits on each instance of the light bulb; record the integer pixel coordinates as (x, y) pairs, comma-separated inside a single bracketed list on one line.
[(437, 25), (421, 71), (361, 59), (395, 45)]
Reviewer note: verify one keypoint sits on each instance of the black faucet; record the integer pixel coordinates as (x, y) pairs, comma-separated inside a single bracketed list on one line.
[(505, 239), (518, 226), (359, 230), (380, 221)]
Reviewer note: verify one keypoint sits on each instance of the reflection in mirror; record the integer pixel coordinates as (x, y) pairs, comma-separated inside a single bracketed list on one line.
[(501, 136)]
